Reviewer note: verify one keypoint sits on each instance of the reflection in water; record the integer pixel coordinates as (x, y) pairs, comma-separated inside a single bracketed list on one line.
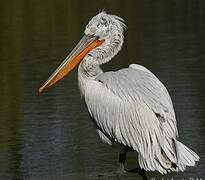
[(52, 136)]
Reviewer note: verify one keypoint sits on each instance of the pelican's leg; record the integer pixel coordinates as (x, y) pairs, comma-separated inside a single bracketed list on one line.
[(122, 159)]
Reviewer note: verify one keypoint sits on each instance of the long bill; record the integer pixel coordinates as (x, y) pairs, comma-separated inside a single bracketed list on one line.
[(86, 44)]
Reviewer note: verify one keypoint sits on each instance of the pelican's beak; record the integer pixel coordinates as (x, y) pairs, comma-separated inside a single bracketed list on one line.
[(86, 44)]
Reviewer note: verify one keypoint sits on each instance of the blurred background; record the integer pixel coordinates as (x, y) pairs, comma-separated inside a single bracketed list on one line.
[(51, 136)]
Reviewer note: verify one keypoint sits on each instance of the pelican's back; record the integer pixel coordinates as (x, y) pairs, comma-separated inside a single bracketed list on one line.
[(133, 108)]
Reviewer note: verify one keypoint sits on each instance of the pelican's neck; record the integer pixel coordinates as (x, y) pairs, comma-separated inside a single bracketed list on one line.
[(85, 75), (89, 68)]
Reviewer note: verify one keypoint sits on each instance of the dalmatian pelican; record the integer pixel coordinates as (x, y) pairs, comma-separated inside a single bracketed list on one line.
[(131, 108)]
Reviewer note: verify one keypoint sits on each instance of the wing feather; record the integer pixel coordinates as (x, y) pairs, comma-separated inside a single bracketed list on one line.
[(133, 108)]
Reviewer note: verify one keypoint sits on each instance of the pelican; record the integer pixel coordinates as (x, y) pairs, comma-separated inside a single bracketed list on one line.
[(131, 108)]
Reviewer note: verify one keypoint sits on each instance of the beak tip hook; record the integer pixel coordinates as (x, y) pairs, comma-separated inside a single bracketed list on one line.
[(40, 90)]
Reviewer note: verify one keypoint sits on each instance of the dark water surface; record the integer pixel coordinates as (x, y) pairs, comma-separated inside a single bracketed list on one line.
[(51, 136)]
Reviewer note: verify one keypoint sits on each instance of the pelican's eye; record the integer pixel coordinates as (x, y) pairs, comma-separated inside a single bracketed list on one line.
[(93, 30)]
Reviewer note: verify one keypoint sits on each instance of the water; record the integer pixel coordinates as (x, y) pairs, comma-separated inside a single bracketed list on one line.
[(51, 136)]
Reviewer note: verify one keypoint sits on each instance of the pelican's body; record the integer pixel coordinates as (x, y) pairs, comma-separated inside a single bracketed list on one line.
[(130, 107)]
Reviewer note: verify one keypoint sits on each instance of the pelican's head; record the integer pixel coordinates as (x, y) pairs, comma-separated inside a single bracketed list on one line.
[(101, 29), (103, 25)]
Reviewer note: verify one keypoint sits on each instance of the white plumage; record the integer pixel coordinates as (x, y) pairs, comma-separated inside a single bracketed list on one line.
[(131, 107)]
